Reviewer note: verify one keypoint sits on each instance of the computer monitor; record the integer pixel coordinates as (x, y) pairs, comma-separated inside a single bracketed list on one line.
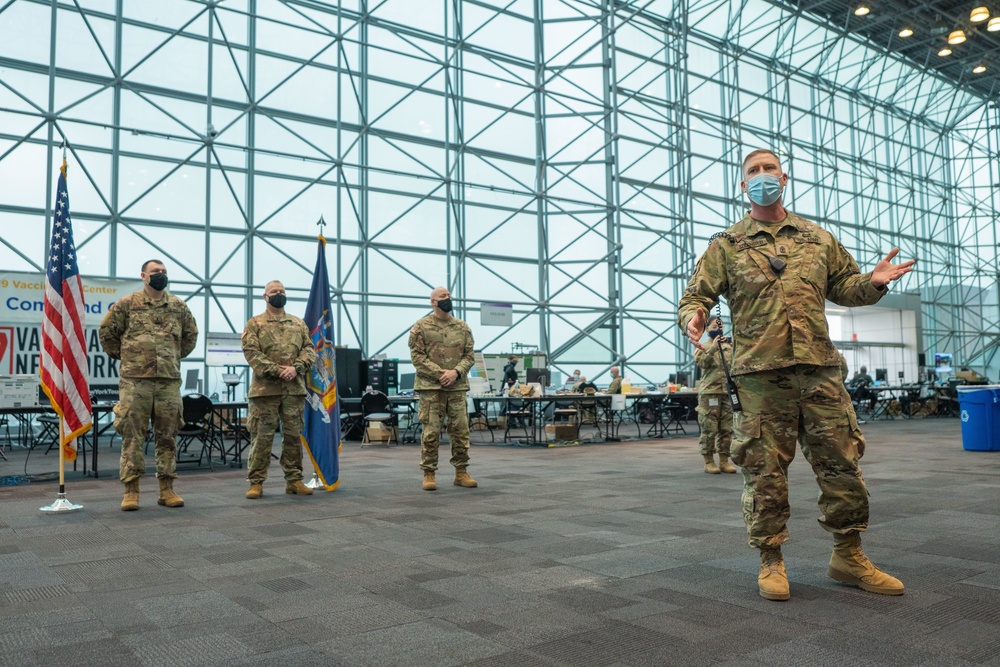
[(539, 375), (672, 378), (942, 362), (406, 381), (191, 382), (224, 349), (684, 378), (881, 374)]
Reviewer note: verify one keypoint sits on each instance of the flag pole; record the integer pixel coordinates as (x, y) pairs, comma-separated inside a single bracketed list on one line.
[(315, 482), (61, 504)]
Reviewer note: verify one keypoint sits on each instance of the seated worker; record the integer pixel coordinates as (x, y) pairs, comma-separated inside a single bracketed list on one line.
[(860, 393), (578, 384), (861, 377), (616, 381), (572, 381)]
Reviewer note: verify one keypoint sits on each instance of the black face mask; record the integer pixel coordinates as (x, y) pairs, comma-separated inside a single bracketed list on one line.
[(158, 281), (277, 300), (445, 305), (714, 333)]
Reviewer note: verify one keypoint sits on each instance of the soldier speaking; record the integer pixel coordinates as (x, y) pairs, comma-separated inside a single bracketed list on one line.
[(777, 270)]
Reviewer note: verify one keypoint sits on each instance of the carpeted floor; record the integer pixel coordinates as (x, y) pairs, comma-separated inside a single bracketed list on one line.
[(601, 554)]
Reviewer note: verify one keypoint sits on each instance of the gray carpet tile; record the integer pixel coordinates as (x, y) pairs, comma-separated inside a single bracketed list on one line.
[(618, 554)]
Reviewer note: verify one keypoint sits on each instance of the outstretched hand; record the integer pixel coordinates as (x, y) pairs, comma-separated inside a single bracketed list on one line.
[(885, 271), (696, 328)]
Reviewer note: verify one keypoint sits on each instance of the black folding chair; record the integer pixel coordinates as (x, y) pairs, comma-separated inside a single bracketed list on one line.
[(517, 411), (198, 427), (862, 396), (49, 433), (477, 415), (377, 409)]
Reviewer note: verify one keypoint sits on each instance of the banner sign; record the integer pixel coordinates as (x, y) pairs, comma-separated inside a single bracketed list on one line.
[(496, 314), (22, 301)]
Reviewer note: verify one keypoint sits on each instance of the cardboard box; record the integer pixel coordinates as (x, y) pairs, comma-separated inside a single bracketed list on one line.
[(379, 433), (562, 431)]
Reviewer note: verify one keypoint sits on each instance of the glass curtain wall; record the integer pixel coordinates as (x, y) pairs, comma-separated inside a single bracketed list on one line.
[(568, 157)]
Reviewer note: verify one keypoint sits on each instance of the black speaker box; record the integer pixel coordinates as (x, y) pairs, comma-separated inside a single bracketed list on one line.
[(348, 379)]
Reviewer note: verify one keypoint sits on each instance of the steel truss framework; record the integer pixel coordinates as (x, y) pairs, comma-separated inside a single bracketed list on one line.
[(571, 157)]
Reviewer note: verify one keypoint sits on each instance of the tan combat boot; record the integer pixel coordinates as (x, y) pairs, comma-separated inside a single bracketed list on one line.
[(130, 502), (725, 465), (255, 491), (429, 483), (462, 479), (167, 495), (772, 581), (297, 488), (710, 466), (850, 565)]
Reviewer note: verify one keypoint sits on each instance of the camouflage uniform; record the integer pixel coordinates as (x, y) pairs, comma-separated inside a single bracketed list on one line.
[(616, 386), (715, 411), (270, 342), (150, 338), (437, 345), (786, 368)]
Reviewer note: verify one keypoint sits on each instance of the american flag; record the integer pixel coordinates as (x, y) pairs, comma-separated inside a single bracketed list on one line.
[(64, 350)]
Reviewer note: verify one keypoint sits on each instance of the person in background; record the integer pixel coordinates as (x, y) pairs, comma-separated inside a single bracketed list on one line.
[(862, 377), (715, 410), (572, 381), (616, 381), (510, 370)]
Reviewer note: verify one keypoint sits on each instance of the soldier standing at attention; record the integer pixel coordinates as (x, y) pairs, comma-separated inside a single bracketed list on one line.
[(715, 411), (280, 351), (149, 331), (441, 351), (777, 270)]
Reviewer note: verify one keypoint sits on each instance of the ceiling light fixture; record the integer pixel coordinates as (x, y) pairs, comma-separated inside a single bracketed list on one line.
[(906, 32), (956, 37), (979, 14), (944, 52), (994, 24), (862, 10), (979, 69)]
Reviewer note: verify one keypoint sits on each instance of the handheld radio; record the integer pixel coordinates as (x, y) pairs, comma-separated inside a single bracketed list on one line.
[(734, 396)]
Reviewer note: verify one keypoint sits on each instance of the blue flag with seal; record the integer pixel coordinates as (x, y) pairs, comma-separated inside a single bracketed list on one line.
[(321, 434)]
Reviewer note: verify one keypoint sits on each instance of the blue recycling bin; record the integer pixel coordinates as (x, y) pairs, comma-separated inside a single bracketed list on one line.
[(980, 411)]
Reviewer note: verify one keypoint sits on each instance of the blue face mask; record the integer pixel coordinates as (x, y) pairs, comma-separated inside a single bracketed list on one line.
[(764, 189)]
